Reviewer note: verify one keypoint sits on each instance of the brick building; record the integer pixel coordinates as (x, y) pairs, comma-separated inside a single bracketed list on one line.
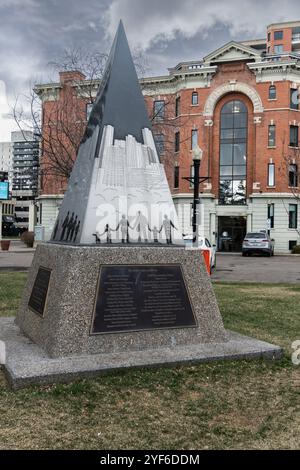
[(240, 105)]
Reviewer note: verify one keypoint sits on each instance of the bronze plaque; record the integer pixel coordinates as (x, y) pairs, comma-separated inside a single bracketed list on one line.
[(141, 297), (39, 292)]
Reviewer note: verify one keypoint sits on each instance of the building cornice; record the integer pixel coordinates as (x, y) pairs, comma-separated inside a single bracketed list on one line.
[(232, 52), (272, 195)]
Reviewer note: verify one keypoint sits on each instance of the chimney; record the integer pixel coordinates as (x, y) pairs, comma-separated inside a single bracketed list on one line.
[(70, 76)]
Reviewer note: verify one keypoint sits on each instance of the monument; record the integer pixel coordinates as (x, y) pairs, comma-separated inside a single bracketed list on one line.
[(115, 286)]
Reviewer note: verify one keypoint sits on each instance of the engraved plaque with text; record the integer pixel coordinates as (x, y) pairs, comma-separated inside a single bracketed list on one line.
[(139, 297), (39, 292)]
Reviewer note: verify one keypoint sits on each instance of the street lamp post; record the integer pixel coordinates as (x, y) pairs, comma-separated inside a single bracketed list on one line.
[(196, 180), (197, 157)]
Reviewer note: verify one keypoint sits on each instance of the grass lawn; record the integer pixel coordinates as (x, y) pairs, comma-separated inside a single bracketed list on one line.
[(220, 405)]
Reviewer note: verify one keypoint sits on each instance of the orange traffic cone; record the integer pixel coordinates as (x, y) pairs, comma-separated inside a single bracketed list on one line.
[(206, 256)]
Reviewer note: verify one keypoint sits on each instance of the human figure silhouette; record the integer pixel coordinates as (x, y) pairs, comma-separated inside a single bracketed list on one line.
[(107, 230), (167, 226), (70, 225), (141, 224), (124, 225), (55, 229), (64, 226), (155, 232), (76, 231), (72, 229)]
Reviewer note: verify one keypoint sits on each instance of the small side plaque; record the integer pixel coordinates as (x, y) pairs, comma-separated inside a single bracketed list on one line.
[(136, 297), (39, 292)]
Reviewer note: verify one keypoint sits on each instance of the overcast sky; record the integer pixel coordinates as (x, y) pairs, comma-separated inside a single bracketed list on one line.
[(35, 32)]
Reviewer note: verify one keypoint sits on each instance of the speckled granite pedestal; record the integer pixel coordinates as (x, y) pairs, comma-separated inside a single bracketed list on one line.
[(58, 346)]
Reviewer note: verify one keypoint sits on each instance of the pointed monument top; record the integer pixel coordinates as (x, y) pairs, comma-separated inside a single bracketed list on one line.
[(119, 101)]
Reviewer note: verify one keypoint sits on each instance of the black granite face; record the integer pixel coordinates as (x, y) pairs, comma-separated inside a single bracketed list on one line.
[(39, 292), (119, 102), (137, 297)]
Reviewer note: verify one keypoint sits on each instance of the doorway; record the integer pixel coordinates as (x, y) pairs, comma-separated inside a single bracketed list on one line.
[(231, 233)]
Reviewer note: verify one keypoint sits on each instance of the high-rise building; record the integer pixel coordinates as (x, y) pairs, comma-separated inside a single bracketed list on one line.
[(6, 160), (25, 174)]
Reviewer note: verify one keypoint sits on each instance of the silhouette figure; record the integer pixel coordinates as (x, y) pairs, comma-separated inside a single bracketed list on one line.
[(64, 226), (108, 231), (167, 226), (76, 231), (141, 224), (72, 229), (124, 224), (70, 225), (55, 229), (155, 232)]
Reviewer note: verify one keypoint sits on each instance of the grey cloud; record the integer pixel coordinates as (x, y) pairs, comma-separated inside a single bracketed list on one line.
[(165, 20), (35, 32)]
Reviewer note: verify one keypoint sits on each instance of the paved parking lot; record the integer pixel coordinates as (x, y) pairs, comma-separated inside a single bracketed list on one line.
[(17, 258), (230, 267), (234, 267)]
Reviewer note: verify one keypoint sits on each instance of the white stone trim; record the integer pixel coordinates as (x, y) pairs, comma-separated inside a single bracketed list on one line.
[(257, 119), (238, 87), (234, 51)]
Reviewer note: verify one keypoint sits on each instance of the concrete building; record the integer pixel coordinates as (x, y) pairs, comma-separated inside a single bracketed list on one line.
[(240, 105), (25, 175), (6, 160)]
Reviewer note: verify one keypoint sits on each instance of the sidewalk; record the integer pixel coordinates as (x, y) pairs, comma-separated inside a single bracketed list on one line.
[(18, 258)]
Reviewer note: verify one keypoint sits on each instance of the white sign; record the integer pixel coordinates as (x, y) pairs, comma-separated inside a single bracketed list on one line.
[(268, 224)]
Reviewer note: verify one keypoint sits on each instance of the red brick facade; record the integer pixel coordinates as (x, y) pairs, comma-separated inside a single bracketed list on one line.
[(251, 72)]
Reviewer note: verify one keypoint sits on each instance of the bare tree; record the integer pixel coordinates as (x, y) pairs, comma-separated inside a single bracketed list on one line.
[(61, 125), (290, 170)]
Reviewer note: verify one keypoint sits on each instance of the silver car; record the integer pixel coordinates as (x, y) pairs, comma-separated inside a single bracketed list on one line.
[(258, 242)]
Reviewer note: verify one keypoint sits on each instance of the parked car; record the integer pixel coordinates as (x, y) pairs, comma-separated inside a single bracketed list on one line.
[(258, 242), (203, 243), (9, 228)]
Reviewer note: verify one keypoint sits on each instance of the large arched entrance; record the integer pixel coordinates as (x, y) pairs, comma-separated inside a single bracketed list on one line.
[(232, 175)]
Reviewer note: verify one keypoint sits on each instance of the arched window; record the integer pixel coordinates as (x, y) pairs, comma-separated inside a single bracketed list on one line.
[(272, 92), (194, 98), (233, 153)]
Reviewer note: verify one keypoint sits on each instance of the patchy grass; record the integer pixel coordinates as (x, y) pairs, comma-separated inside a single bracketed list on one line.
[(220, 405), (270, 312), (11, 286)]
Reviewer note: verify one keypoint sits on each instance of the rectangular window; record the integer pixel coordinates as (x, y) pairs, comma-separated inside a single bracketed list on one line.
[(160, 143), (271, 214), (293, 215), (293, 175), (177, 141), (272, 136), (194, 139), (89, 107), (278, 35), (269, 37), (194, 98), (294, 98), (176, 177), (278, 49), (177, 106), (158, 110), (271, 174), (294, 136), (272, 92), (292, 243)]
